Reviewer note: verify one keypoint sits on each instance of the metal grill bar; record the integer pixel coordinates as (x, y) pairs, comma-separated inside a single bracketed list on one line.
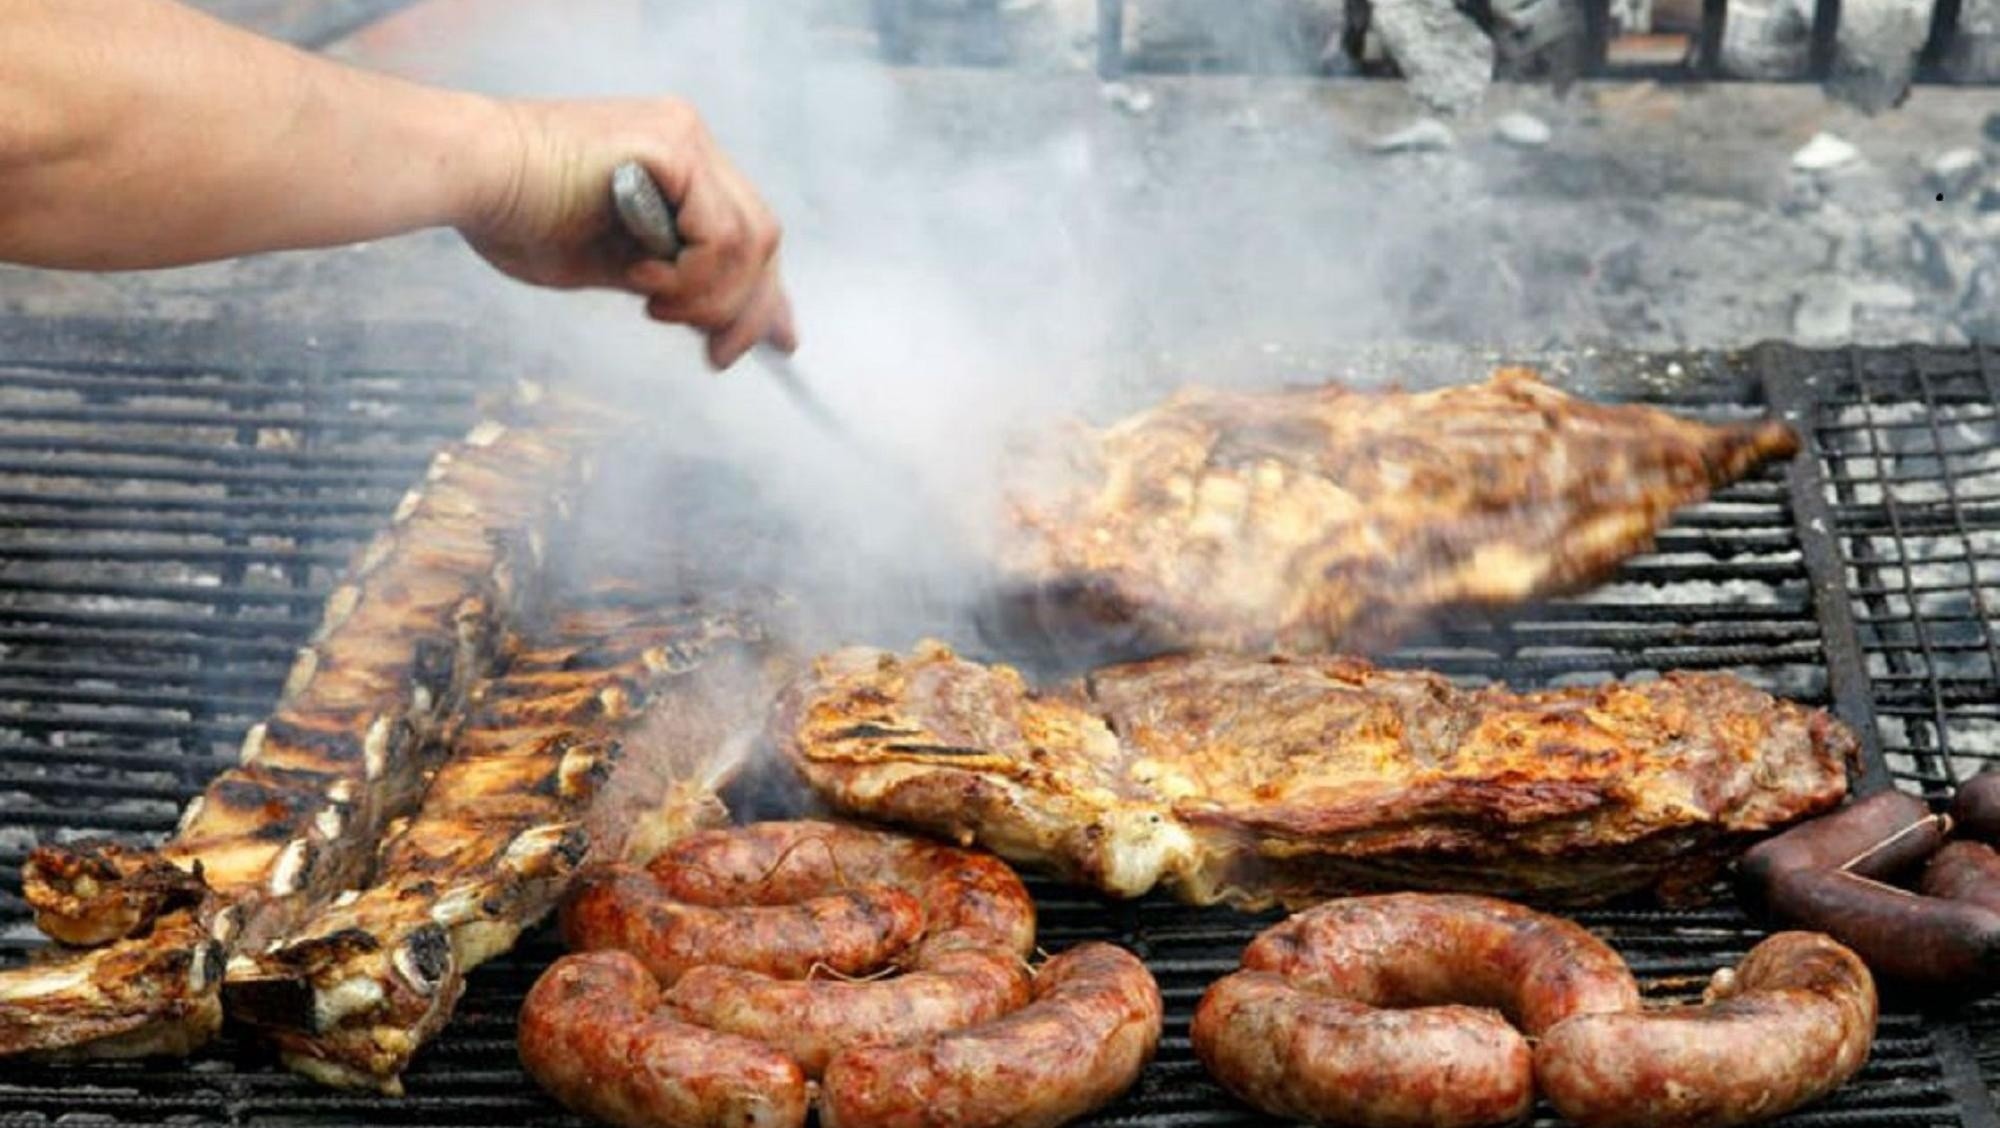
[(149, 604)]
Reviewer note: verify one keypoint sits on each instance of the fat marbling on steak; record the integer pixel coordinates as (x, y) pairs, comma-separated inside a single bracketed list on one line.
[(1328, 518), (1259, 780)]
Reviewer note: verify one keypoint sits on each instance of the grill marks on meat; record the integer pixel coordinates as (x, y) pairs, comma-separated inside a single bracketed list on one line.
[(1258, 780), (344, 753), (1320, 518), (607, 735)]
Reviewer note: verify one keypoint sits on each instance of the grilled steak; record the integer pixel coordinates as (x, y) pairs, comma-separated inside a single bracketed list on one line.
[(1322, 518), (343, 754), (1253, 780), (606, 737)]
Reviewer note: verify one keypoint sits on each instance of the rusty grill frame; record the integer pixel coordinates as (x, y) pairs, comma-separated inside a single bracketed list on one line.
[(174, 497)]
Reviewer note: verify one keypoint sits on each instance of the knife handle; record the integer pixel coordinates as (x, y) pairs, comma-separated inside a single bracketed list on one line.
[(645, 211)]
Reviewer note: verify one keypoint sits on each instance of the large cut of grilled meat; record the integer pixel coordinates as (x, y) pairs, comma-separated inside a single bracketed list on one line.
[(605, 738), (1325, 518), (1254, 780), (414, 622)]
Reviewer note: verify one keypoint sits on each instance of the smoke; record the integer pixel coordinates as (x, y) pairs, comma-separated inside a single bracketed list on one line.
[(970, 254)]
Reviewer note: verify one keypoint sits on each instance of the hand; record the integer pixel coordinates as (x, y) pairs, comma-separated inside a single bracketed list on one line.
[(548, 219)]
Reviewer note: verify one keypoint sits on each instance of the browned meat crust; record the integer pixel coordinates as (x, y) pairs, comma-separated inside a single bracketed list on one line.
[(1322, 517), (93, 892), (1259, 780), (344, 753), (596, 1035), (153, 993), (611, 727), (1790, 1024), (1093, 1026)]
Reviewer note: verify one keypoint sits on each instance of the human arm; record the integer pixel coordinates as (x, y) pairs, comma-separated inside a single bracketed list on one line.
[(141, 133)]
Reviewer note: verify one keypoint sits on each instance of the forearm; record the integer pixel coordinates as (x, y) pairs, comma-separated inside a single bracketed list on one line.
[(137, 133)]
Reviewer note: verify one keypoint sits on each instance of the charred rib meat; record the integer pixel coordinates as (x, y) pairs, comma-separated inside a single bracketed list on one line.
[(1321, 518), (1258, 780), (605, 738), (344, 753)]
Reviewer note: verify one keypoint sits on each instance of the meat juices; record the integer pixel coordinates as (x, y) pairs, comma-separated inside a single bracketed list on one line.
[(1308, 1029), (1788, 1026), (975, 896), (1092, 1027), (596, 1035), (849, 932)]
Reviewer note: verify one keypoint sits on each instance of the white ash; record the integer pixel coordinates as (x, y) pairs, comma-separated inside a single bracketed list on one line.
[(1824, 153), (1954, 172), (1767, 39), (1725, 593), (1443, 55), (1542, 39), (1425, 135), (1124, 95), (1522, 129), (1875, 51), (1975, 51), (1825, 311)]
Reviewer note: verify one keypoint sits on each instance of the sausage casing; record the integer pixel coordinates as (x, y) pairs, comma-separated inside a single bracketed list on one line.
[(852, 932), (1926, 942), (595, 1035), (974, 895), (1964, 871), (1789, 1025), (813, 1019), (1094, 1023), (1876, 837), (1422, 949), (1328, 1060), (1976, 807)]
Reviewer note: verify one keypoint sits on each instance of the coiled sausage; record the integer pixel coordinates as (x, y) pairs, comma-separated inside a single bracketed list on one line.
[(1312, 1028), (1094, 1023), (944, 988), (776, 863), (1787, 1026), (850, 932), (595, 1035)]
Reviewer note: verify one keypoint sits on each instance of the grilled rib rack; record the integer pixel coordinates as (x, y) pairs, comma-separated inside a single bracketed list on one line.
[(174, 497)]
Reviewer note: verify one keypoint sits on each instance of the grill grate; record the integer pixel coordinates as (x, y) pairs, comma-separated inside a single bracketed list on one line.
[(174, 496)]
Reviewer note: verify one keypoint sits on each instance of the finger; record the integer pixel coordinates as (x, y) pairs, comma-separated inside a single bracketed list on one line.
[(784, 334), (651, 276), (755, 324)]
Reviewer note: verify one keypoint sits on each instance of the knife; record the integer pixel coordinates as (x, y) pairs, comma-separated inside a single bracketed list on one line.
[(649, 220)]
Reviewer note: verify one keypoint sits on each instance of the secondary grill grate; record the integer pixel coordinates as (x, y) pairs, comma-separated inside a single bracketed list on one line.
[(175, 496)]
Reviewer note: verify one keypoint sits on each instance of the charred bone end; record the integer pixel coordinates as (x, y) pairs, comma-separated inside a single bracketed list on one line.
[(304, 667), (424, 960)]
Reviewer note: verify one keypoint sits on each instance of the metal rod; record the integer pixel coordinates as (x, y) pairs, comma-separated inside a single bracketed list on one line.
[(1110, 39)]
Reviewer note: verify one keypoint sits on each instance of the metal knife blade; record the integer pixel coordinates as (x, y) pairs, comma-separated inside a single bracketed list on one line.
[(649, 219)]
